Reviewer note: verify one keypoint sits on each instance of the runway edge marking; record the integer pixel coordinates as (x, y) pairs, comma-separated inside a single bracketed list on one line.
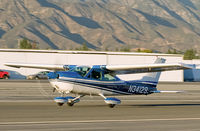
[(97, 121)]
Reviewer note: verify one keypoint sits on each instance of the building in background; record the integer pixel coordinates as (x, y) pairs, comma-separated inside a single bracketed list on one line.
[(86, 58), (192, 74)]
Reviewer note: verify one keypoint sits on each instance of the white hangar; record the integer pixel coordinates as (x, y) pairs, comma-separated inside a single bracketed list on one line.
[(85, 58)]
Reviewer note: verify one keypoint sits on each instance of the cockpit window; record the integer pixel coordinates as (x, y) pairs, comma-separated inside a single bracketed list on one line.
[(102, 75), (82, 70)]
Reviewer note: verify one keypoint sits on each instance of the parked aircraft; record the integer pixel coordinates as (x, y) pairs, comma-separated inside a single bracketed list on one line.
[(102, 80)]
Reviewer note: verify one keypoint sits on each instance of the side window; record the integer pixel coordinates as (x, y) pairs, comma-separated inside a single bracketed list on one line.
[(108, 77), (102, 75), (96, 75)]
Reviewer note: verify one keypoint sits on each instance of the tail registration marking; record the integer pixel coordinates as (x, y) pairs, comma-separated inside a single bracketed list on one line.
[(138, 89)]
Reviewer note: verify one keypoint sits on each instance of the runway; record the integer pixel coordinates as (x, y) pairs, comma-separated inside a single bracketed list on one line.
[(166, 112)]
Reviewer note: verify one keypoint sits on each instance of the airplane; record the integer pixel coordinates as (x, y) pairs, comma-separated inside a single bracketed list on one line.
[(102, 80)]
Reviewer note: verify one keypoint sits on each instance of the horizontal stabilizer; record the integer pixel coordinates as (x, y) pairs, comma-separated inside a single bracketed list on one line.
[(168, 91)]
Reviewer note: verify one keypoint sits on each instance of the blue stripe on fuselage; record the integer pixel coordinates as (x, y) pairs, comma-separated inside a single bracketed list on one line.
[(120, 87)]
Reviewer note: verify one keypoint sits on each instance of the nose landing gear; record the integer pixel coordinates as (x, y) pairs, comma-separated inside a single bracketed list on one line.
[(68, 99)]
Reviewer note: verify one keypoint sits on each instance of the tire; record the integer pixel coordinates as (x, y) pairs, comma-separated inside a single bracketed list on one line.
[(60, 104), (111, 105), (70, 104), (5, 77)]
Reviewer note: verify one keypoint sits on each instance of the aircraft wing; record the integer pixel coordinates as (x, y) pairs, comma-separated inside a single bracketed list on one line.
[(127, 69), (37, 66), (119, 69)]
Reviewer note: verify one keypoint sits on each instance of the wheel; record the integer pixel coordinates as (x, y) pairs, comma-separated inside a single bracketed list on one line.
[(111, 105), (36, 78), (70, 104), (60, 104), (5, 77)]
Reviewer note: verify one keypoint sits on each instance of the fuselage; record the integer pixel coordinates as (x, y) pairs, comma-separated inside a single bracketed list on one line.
[(95, 81), (95, 87)]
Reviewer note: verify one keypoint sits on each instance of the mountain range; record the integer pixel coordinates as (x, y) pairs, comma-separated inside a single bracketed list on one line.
[(158, 25)]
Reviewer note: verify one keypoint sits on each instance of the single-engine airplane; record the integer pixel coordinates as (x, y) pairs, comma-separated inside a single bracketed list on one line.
[(102, 80)]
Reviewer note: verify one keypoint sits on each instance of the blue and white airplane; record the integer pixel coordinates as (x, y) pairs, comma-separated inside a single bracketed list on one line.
[(102, 80)]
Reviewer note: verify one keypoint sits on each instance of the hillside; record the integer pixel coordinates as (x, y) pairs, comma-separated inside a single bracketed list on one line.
[(101, 24)]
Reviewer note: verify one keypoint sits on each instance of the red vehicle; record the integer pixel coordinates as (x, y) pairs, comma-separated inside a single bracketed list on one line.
[(4, 74)]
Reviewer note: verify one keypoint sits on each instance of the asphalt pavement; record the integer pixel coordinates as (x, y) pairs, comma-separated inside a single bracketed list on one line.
[(29, 106)]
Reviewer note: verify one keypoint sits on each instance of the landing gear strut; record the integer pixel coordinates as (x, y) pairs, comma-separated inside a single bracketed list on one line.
[(71, 102)]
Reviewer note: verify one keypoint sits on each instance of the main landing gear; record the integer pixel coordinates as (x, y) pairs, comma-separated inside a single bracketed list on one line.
[(111, 101), (68, 99)]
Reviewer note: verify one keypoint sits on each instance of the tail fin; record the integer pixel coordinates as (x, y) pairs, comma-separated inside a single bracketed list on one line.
[(154, 76)]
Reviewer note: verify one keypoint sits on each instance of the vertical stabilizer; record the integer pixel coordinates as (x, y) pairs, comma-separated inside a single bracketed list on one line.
[(154, 76)]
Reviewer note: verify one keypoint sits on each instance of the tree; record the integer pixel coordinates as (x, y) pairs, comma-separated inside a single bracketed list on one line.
[(34, 45), (138, 50), (25, 44), (147, 51), (125, 49), (106, 49), (172, 52), (169, 51), (84, 47), (190, 54), (144, 50)]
